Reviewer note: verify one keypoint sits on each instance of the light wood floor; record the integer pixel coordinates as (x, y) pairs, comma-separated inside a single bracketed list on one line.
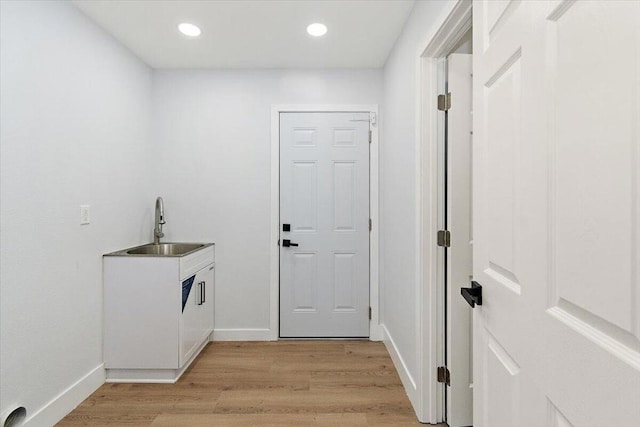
[(285, 383)]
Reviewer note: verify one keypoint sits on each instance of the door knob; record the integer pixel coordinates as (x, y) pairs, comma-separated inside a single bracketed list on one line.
[(286, 243), (472, 295)]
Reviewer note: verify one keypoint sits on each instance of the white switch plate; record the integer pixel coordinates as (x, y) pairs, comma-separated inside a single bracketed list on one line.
[(85, 214)]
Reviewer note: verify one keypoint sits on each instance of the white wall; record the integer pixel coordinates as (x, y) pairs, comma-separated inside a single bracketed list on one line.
[(465, 44), (400, 239), (212, 130), (75, 120)]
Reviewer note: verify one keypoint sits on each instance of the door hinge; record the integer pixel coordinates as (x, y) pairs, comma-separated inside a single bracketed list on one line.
[(370, 136), (369, 313), (370, 224), (443, 375), (444, 238), (444, 101)]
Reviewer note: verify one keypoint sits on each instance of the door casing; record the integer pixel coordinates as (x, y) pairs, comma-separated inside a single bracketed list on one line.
[(375, 329), (431, 63)]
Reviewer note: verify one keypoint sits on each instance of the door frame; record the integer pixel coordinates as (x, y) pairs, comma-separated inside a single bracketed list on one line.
[(431, 71), (375, 329)]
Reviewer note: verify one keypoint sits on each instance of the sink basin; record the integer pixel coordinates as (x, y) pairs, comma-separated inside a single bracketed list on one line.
[(168, 249), (160, 250)]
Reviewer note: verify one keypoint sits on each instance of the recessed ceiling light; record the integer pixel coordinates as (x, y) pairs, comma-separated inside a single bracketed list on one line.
[(189, 29), (317, 29)]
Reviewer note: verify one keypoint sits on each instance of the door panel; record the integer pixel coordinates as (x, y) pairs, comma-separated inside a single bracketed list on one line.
[(304, 185), (501, 118), (304, 137), (344, 291), (582, 198), (305, 278), (501, 385), (496, 13), (344, 137), (324, 196), (344, 196), (556, 419), (556, 213)]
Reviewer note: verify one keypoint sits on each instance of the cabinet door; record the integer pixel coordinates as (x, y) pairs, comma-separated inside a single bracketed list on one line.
[(190, 318), (197, 312), (206, 309)]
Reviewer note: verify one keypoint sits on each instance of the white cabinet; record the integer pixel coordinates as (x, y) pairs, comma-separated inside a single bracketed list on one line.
[(196, 322), (158, 314)]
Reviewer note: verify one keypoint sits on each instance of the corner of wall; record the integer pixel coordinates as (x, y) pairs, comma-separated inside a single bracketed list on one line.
[(68, 400)]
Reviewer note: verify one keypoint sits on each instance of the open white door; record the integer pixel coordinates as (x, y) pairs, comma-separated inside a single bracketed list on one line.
[(556, 203), (459, 259)]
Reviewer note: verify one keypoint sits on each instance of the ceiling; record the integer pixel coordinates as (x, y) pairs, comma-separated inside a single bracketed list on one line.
[(254, 33)]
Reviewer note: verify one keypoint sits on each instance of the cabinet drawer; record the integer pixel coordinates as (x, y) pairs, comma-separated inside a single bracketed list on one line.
[(195, 262)]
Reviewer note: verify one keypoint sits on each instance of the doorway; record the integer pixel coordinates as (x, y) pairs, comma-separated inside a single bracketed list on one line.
[(324, 215), (325, 201)]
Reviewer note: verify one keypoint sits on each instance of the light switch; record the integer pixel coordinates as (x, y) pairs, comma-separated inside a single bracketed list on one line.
[(85, 214)]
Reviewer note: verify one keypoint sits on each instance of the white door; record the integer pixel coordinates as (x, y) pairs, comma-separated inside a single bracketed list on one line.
[(556, 205), (324, 205), (459, 256)]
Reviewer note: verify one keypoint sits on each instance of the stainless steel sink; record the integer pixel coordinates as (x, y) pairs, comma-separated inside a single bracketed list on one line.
[(161, 249), (165, 249)]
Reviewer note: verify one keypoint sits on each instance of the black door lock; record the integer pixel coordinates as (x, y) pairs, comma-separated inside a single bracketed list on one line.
[(286, 243), (472, 295), (286, 227)]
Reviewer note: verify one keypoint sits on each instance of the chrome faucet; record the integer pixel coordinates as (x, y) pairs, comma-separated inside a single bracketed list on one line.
[(157, 229)]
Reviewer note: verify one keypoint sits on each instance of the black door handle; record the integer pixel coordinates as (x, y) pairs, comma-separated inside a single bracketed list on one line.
[(472, 295), (286, 243)]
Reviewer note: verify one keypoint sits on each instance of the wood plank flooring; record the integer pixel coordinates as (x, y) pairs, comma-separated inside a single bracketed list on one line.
[(284, 383)]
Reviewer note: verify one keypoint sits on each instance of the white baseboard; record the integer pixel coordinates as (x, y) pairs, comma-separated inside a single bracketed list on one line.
[(242, 335), (68, 400), (407, 379), (376, 334)]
